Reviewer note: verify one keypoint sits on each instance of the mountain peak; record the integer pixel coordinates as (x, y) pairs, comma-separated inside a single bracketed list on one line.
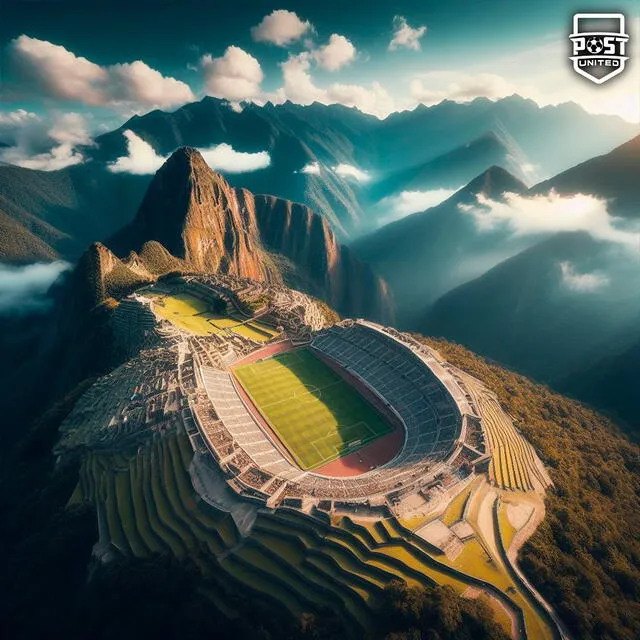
[(187, 157), (187, 164), (188, 154), (191, 218), (195, 214), (494, 182)]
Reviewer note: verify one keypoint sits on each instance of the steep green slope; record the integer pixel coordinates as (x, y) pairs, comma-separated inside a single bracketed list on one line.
[(58, 213), (532, 311)]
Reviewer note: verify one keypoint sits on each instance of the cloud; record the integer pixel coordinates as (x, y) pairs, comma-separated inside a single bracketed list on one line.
[(12, 120), (298, 84), (405, 36), (408, 202), (582, 282), (70, 128), (50, 70), (374, 99), (280, 27), (432, 88), (224, 158), (24, 289), (550, 213), (139, 84), (59, 157), (142, 159), (14, 126), (349, 171), (312, 168), (235, 76), (337, 53), (48, 147), (299, 87)]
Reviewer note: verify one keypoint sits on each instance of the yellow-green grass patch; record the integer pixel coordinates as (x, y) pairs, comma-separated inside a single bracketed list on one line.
[(192, 314), (455, 509), (507, 530)]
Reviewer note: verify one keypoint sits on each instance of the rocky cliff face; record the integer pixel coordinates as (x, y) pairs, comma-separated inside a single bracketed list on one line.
[(200, 219), (331, 269), (196, 216)]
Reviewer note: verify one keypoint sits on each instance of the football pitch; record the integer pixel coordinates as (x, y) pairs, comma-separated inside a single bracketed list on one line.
[(316, 414)]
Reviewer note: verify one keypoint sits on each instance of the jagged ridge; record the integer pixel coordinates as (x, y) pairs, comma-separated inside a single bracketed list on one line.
[(210, 226)]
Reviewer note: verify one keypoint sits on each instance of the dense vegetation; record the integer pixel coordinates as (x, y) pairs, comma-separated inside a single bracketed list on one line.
[(584, 557), (435, 613)]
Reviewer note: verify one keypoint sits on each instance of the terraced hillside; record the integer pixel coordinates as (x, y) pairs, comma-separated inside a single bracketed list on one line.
[(146, 504), (514, 464)]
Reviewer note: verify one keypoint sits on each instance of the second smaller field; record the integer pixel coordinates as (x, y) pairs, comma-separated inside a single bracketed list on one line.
[(315, 413), (194, 315)]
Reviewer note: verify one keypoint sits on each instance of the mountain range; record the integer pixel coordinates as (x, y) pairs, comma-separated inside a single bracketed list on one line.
[(318, 228), (312, 152), (335, 160), (448, 246), (428, 253), (452, 169), (513, 132)]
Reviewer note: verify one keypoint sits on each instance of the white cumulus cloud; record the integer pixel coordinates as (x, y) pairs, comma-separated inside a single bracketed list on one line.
[(48, 146), (224, 158), (337, 53), (50, 70), (312, 168), (550, 213), (349, 171), (404, 36), (235, 76), (299, 87), (70, 128), (583, 282), (142, 159), (58, 157), (12, 120), (139, 84), (24, 289), (280, 27)]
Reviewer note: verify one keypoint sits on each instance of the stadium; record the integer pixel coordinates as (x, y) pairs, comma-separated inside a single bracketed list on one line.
[(347, 416)]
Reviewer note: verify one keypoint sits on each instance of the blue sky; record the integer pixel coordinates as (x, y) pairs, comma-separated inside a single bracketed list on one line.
[(107, 60)]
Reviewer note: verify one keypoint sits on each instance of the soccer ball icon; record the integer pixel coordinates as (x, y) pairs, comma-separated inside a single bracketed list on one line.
[(594, 46)]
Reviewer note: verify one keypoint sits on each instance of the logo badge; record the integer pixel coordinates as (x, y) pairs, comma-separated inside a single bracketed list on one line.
[(599, 44)]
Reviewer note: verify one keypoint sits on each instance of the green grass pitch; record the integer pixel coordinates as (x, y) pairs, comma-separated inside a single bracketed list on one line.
[(316, 414)]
